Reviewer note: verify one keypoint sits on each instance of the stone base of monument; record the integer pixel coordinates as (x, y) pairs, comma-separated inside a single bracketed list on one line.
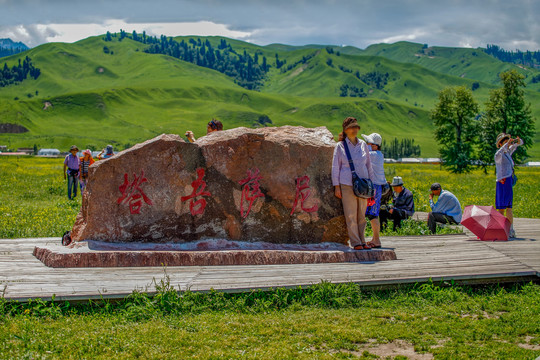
[(201, 253)]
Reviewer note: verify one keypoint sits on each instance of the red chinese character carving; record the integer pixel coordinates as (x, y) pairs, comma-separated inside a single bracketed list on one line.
[(132, 193), (250, 191), (303, 192), (197, 207)]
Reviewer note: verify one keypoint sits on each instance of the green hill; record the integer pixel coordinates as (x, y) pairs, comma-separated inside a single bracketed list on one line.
[(104, 92), (463, 62)]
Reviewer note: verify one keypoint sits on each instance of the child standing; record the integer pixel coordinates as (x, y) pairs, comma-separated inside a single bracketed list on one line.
[(86, 160)]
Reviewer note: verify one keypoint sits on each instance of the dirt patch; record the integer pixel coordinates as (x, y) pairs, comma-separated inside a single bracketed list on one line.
[(47, 105), (100, 70), (7, 128), (295, 73), (528, 345), (392, 349)]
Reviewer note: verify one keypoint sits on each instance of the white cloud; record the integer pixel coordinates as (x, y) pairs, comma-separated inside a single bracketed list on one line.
[(37, 34), (416, 34), (510, 24)]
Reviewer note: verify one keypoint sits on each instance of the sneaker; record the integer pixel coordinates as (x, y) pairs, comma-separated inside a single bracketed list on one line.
[(512, 234)]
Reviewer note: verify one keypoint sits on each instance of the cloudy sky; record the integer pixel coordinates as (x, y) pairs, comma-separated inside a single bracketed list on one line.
[(512, 24)]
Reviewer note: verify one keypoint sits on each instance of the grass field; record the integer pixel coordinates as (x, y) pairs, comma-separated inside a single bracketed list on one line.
[(324, 321), (33, 195)]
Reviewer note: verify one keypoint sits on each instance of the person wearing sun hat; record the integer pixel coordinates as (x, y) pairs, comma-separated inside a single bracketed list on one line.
[(72, 164), (504, 166), (374, 141), (354, 207), (402, 205)]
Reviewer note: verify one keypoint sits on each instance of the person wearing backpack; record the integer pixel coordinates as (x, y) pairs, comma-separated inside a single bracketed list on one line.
[(380, 185), (72, 165), (352, 165)]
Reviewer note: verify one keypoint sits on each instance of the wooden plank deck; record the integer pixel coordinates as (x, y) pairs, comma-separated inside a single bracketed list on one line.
[(420, 258)]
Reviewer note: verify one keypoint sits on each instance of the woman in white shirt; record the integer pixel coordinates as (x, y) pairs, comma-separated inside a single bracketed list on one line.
[(504, 166), (377, 163), (353, 207)]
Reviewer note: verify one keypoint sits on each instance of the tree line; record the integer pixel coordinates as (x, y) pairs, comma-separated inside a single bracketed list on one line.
[(246, 70), (467, 136), (374, 79), (527, 58), (18, 73), (403, 148)]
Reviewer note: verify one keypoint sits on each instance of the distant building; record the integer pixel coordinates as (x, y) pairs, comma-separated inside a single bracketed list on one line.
[(431, 160), (410, 160), (27, 151), (533, 163), (3, 148), (49, 152)]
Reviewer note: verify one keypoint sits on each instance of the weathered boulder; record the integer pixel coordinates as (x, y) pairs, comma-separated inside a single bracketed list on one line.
[(268, 184)]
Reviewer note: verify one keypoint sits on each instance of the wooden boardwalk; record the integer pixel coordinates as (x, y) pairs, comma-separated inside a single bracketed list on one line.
[(420, 258)]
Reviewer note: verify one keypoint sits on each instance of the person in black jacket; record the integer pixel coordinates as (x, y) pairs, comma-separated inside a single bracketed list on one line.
[(402, 205)]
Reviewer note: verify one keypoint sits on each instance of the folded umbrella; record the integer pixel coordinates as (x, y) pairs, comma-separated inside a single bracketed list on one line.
[(486, 222)]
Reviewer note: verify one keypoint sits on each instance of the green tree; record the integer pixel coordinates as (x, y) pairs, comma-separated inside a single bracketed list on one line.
[(455, 127), (506, 111)]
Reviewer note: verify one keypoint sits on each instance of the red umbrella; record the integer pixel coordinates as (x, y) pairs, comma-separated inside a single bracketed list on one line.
[(486, 222)]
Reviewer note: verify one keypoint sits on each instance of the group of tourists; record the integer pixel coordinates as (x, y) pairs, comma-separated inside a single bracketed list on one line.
[(76, 168), (359, 181)]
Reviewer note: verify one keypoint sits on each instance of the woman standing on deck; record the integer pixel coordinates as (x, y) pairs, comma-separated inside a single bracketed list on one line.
[(504, 165), (353, 206)]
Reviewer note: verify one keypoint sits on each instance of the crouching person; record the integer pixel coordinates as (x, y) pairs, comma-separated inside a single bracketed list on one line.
[(402, 206), (446, 210)]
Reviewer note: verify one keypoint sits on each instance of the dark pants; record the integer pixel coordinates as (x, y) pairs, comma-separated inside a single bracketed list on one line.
[(434, 218), (397, 215), (73, 180)]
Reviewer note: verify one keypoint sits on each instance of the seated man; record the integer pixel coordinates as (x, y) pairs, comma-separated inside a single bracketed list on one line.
[(447, 210), (402, 205)]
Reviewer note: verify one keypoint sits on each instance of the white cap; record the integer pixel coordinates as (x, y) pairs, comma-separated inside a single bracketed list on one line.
[(373, 139)]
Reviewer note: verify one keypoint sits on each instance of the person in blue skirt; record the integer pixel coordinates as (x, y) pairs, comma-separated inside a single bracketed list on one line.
[(504, 165)]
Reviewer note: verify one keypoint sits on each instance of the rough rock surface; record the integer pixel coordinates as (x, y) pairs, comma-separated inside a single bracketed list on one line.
[(268, 184), (83, 255)]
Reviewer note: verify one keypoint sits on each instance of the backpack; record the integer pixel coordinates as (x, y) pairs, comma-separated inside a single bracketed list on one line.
[(66, 238)]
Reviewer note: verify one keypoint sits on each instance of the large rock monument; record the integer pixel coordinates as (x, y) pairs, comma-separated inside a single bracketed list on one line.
[(268, 185)]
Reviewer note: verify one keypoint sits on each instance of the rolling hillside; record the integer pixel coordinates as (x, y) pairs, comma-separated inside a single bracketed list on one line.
[(92, 96)]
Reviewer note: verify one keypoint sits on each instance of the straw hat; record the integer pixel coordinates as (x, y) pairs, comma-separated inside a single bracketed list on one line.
[(501, 137)]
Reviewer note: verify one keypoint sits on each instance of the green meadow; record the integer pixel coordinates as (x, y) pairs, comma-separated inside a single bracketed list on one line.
[(126, 96), (324, 321), (33, 195)]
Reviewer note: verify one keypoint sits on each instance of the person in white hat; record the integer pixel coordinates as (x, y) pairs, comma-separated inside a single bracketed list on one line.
[(402, 204), (377, 163)]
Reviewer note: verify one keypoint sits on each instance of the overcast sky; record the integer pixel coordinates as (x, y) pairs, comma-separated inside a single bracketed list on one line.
[(512, 24)]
